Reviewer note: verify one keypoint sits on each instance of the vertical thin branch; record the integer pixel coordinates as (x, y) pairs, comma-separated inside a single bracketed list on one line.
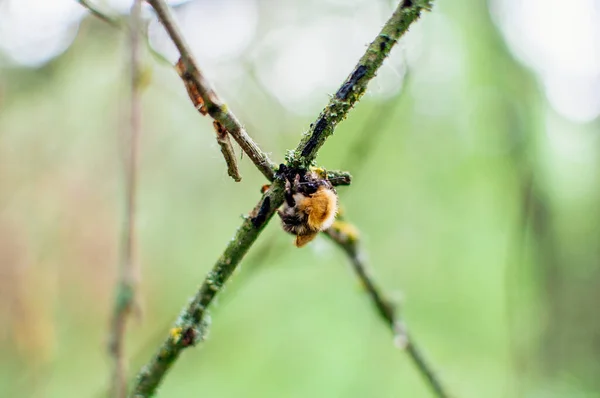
[(128, 268), (515, 256), (346, 237)]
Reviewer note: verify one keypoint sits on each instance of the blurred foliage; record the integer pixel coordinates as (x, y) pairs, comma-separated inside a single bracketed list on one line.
[(463, 203)]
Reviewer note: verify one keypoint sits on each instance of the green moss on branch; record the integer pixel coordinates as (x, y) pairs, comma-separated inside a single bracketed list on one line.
[(191, 326)]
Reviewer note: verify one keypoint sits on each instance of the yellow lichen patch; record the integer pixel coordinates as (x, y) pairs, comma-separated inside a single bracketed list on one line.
[(175, 334), (321, 172), (347, 230), (144, 79)]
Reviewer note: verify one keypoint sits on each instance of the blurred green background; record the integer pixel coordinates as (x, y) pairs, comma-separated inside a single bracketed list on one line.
[(476, 191)]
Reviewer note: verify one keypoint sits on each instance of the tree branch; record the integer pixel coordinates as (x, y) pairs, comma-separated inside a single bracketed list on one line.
[(215, 107), (346, 236), (191, 326), (125, 300)]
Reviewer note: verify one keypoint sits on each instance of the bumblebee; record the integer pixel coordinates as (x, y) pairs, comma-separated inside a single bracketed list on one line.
[(311, 204)]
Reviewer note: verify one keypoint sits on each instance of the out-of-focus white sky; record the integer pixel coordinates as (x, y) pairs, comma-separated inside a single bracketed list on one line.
[(559, 41)]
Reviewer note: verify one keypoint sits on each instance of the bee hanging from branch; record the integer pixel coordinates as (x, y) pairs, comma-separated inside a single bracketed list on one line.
[(311, 203)]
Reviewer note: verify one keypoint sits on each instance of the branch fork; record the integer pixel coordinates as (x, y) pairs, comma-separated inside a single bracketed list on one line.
[(192, 324)]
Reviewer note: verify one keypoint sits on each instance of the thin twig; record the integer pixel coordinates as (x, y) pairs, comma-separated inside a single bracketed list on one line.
[(191, 326), (129, 271), (113, 21), (346, 236), (227, 151), (337, 177), (215, 107), (119, 23)]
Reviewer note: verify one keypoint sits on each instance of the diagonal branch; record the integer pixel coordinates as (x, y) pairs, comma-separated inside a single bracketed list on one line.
[(196, 83), (356, 84), (346, 237), (215, 107), (191, 326), (125, 300)]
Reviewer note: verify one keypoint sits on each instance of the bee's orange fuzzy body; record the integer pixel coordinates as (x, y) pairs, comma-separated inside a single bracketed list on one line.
[(321, 208)]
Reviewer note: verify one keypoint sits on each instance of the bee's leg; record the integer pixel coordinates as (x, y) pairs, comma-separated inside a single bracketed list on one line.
[(296, 186), (289, 195), (282, 171)]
